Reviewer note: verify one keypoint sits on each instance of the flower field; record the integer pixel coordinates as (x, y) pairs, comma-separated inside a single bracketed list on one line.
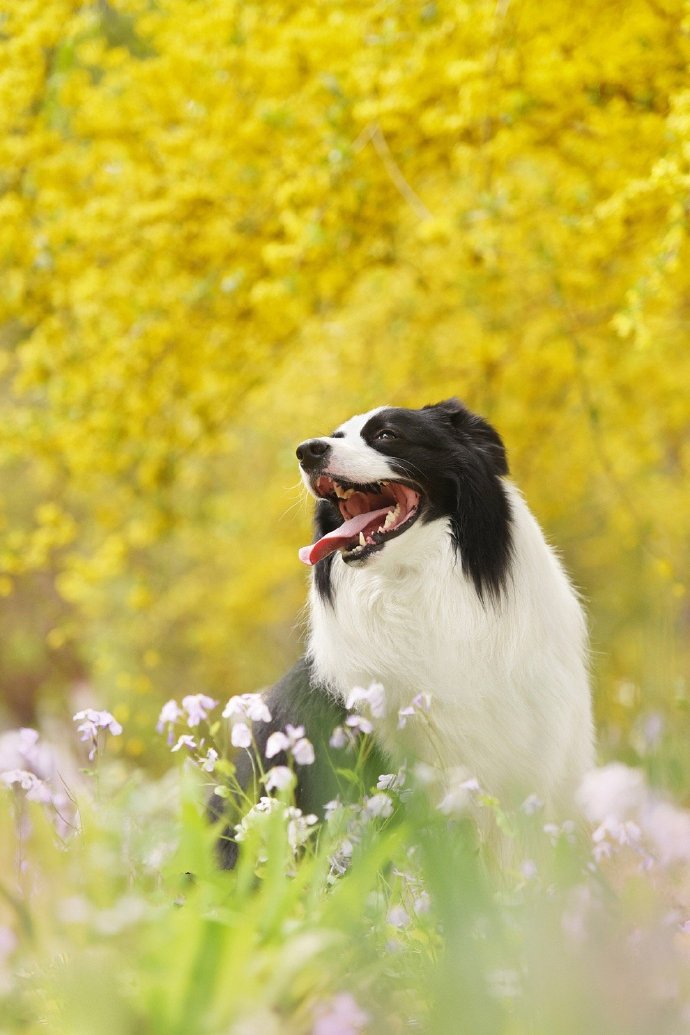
[(393, 914)]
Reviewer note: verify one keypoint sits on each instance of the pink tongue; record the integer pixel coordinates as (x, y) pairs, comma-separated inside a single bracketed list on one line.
[(341, 536)]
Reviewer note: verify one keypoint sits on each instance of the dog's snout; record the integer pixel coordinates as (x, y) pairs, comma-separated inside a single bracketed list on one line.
[(312, 453)]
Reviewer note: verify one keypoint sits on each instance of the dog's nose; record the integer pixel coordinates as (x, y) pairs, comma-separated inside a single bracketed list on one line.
[(312, 453)]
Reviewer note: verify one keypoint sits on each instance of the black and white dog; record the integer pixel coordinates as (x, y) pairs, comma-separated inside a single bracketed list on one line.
[(430, 574)]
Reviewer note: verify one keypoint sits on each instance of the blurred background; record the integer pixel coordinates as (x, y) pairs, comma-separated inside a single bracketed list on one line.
[(228, 225)]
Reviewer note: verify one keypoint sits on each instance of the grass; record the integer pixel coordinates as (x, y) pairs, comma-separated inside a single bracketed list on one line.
[(390, 916)]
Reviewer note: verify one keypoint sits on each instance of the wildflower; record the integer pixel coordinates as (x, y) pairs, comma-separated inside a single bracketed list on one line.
[(668, 829), (528, 869), (360, 723), (170, 714), (340, 738), (531, 805), (197, 707), (264, 805), (621, 832), (648, 732), (303, 752), (36, 789), (331, 808), (279, 778), (379, 805), (20, 749), (293, 741), (611, 790), (299, 827), (185, 741), (209, 762), (241, 735), (247, 706), (398, 916), (556, 832), (420, 705), (90, 722), (391, 781), (374, 699), (340, 1016), (422, 903), (460, 793)]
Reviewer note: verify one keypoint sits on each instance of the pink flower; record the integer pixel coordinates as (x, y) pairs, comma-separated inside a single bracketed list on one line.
[(340, 1016)]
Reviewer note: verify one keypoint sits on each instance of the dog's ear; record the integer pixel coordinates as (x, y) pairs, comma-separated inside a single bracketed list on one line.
[(479, 431)]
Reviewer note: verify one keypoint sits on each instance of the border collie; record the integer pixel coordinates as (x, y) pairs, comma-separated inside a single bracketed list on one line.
[(430, 574)]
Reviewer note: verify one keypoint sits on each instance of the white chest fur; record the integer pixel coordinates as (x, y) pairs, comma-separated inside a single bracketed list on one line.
[(508, 680)]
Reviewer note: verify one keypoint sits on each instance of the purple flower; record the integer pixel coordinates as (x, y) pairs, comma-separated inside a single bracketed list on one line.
[(90, 722), (374, 699), (358, 722), (186, 740), (209, 763), (170, 714), (36, 790), (420, 705), (247, 706), (197, 707), (340, 1016)]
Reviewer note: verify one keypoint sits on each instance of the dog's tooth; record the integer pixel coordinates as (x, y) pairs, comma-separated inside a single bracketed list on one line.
[(362, 540)]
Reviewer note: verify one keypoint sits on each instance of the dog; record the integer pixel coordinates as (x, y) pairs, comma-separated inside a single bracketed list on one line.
[(430, 575)]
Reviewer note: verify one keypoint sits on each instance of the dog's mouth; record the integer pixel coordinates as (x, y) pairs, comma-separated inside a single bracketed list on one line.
[(372, 514)]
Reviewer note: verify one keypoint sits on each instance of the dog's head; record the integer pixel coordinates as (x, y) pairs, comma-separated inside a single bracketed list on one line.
[(382, 472)]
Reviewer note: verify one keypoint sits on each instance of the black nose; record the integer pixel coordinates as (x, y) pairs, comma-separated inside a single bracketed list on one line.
[(313, 453)]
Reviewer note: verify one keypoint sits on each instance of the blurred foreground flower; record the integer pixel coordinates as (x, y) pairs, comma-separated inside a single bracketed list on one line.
[(341, 1016)]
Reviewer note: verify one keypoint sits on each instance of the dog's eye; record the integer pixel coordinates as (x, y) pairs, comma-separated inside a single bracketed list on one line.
[(384, 434)]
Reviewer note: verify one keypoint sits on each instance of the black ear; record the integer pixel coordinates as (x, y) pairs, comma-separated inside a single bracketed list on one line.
[(473, 427)]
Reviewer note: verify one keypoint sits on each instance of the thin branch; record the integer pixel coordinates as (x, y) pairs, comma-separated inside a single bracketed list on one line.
[(374, 134)]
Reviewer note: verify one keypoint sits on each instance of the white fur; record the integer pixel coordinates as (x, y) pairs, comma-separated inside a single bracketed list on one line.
[(351, 458), (509, 681)]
